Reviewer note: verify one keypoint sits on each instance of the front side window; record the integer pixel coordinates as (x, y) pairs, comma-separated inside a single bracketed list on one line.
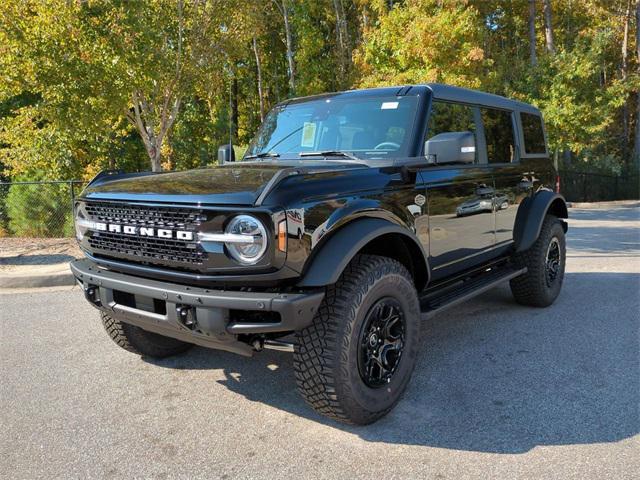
[(499, 135), (366, 127), (448, 118), (533, 133)]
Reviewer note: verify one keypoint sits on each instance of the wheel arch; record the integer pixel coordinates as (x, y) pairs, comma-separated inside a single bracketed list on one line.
[(365, 235), (531, 214)]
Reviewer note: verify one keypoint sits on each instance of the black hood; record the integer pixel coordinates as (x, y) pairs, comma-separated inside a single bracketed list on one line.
[(238, 184)]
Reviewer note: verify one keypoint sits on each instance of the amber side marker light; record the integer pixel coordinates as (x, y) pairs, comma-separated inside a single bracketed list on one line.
[(282, 236)]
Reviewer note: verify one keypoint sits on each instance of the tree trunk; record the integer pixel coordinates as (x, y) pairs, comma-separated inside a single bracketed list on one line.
[(624, 74), (532, 33), (144, 117), (548, 27), (259, 69), (566, 157), (234, 107), (284, 11), (342, 35), (637, 135)]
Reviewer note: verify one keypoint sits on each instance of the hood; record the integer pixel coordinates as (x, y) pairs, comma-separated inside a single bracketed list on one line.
[(237, 184)]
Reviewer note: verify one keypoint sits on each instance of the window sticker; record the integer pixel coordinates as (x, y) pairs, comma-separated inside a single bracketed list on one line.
[(389, 105), (308, 134)]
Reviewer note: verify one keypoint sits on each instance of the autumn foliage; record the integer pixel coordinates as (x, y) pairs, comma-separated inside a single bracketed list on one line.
[(87, 85)]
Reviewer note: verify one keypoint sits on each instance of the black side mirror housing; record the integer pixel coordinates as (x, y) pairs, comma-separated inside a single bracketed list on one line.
[(226, 154), (451, 147)]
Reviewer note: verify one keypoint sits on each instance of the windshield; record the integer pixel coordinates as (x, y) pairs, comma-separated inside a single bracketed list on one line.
[(365, 127)]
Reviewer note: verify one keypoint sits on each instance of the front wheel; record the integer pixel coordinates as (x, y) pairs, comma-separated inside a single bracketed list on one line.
[(545, 263), (355, 360), (136, 340)]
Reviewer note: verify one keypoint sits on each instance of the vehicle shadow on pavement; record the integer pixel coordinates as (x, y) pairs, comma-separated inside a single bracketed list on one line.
[(493, 376)]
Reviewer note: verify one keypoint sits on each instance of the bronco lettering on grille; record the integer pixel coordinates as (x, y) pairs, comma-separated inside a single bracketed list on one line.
[(144, 231)]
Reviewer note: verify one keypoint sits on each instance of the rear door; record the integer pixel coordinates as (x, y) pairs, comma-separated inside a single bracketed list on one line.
[(510, 180), (461, 219)]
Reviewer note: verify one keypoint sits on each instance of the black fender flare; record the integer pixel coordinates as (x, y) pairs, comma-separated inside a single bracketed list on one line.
[(327, 264), (530, 217)]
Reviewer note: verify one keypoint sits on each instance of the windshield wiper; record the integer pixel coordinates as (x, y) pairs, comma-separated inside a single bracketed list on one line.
[(330, 153), (263, 155)]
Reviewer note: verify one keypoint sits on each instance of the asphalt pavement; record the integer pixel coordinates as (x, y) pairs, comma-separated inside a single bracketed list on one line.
[(501, 391)]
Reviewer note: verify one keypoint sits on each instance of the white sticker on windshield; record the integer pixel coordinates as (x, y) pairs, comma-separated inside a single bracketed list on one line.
[(389, 105), (308, 134)]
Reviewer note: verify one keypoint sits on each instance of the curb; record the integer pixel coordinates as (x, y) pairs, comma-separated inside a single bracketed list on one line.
[(614, 203), (56, 279)]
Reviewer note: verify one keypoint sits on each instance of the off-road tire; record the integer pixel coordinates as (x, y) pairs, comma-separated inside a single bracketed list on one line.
[(532, 288), (137, 340), (326, 353)]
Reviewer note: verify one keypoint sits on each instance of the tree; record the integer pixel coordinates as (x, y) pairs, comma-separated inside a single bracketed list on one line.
[(96, 63), (532, 32), (548, 27), (637, 134), (343, 40), (284, 11), (254, 43), (425, 41), (624, 71)]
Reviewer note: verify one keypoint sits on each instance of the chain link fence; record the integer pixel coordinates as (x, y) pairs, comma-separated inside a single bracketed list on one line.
[(595, 187), (38, 209)]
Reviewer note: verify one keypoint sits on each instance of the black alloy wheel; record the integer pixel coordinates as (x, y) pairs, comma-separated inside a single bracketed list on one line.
[(381, 342), (552, 262)]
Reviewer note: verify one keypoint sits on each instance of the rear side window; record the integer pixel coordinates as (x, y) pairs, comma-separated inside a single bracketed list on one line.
[(533, 134), (499, 135)]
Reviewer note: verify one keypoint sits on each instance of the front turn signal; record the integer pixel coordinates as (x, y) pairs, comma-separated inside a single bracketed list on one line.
[(282, 236)]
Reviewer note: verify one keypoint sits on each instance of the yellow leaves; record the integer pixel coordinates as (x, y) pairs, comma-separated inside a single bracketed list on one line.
[(424, 41), (475, 54)]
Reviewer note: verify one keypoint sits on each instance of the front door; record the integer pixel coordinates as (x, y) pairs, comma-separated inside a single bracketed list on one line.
[(460, 198)]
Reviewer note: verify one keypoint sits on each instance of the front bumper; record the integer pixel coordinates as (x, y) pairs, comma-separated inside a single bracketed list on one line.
[(163, 303)]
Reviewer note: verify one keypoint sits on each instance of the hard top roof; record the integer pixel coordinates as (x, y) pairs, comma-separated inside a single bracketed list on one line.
[(438, 90)]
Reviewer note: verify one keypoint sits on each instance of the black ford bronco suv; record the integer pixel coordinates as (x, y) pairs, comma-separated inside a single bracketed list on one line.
[(352, 218)]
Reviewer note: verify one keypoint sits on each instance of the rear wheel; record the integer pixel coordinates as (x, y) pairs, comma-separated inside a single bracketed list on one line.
[(545, 262), (355, 360), (136, 340)]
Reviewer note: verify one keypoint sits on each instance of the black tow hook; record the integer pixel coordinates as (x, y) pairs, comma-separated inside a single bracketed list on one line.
[(187, 316), (92, 293)]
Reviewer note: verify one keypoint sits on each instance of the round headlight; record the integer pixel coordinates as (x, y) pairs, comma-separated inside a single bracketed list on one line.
[(252, 249)]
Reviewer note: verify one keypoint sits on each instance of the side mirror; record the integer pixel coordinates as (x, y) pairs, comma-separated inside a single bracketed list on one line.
[(226, 154), (451, 147)]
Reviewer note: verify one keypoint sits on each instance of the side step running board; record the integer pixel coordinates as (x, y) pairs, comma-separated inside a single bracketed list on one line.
[(464, 290)]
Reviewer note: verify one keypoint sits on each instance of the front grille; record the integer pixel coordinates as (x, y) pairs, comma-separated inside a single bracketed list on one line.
[(140, 215), (148, 250)]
